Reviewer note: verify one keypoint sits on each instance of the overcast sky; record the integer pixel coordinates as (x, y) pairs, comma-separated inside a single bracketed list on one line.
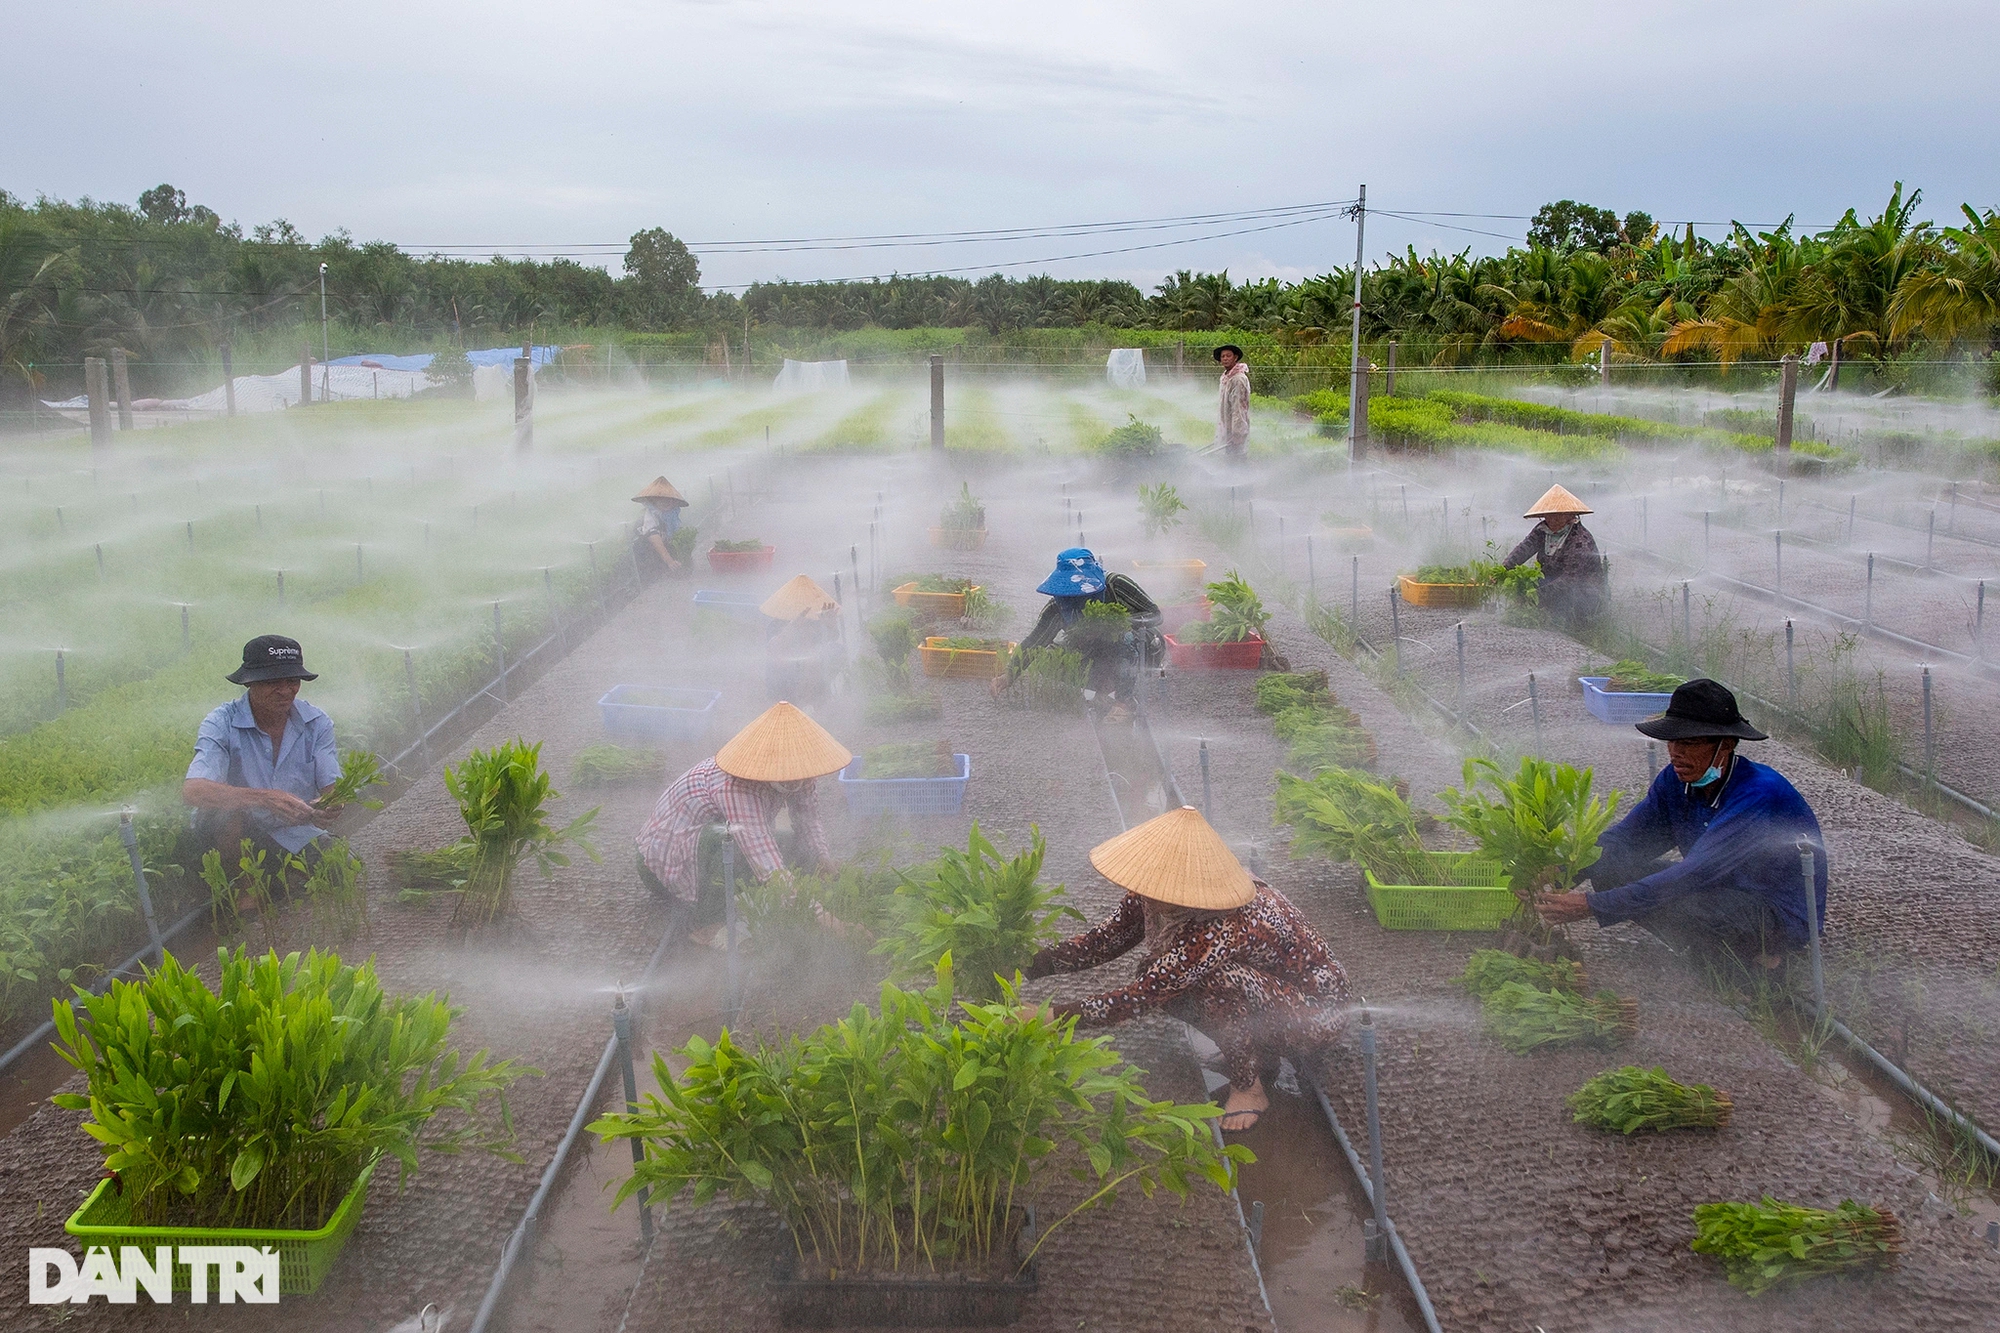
[(567, 126)]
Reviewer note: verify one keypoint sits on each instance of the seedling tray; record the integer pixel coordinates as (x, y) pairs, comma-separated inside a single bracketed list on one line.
[(737, 605), (946, 605), (304, 1257), (741, 562), (1174, 575), (959, 539), (1468, 892), (658, 712), (1244, 656), (1448, 596), (962, 663), (911, 796), (1620, 706)]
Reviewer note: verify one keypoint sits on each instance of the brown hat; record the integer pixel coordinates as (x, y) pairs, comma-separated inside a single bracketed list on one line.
[(1556, 500), (800, 597), (782, 745), (1176, 858), (662, 491)]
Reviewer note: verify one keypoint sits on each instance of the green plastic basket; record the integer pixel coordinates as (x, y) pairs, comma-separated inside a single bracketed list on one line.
[(1466, 891), (304, 1257)]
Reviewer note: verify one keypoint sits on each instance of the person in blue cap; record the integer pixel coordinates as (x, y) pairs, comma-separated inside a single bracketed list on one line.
[(1738, 827), (1077, 581)]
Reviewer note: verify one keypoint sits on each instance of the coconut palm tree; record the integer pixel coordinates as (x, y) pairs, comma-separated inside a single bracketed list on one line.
[(1957, 293)]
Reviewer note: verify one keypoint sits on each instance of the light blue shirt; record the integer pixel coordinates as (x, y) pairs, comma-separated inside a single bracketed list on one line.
[(229, 748)]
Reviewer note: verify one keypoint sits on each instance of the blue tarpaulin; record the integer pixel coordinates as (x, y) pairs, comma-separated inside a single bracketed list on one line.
[(488, 356)]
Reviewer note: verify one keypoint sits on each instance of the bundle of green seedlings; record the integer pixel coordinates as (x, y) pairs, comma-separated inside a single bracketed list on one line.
[(802, 912), (988, 911), (1101, 632), (1490, 969), (1542, 824), (1632, 1098), (738, 547), (1050, 680), (1160, 509), (1134, 439), (965, 514), (895, 636), (1305, 712), (909, 759), (681, 544), (333, 886), (1236, 615), (1631, 676), (503, 795), (203, 1127), (911, 1139), (1344, 815), (1523, 1018), (604, 764), (420, 872), (1770, 1245), (977, 605), (359, 770)]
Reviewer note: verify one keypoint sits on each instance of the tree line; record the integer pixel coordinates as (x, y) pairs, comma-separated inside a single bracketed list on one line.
[(169, 281)]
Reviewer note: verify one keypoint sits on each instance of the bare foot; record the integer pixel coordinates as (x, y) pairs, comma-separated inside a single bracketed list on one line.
[(1244, 1106)]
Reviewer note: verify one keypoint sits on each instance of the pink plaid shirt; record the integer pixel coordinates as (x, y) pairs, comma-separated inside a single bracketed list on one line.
[(670, 844)]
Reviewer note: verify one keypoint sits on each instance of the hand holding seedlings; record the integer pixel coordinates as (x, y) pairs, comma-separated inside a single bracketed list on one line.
[(1560, 908)]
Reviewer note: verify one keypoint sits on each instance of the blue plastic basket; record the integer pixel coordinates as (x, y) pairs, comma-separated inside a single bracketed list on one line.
[(668, 712), (910, 796), (1617, 706), (738, 605)]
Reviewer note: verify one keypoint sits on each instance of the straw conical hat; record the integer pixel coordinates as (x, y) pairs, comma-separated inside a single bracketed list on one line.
[(782, 745), (800, 597), (1176, 858), (1556, 500), (662, 490)]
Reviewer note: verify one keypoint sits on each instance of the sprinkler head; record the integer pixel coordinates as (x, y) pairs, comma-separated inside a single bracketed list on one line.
[(1367, 1014)]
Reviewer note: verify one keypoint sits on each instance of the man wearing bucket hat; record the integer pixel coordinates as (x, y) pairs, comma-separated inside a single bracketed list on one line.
[(1737, 825), (771, 765), (1573, 579), (1226, 954), (1077, 581), (1232, 425), (262, 760), (662, 519)]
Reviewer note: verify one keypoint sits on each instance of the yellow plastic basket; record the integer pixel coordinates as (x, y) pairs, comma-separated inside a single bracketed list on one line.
[(1466, 891), (945, 605), (304, 1257), (1450, 596), (962, 663)]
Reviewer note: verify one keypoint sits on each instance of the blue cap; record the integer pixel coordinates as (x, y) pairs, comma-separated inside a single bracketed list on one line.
[(1077, 574)]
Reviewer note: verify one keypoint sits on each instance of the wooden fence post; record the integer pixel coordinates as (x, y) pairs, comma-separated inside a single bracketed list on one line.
[(100, 418), (937, 400), (121, 381), (228, 381), (305, 374), (1788, 390)]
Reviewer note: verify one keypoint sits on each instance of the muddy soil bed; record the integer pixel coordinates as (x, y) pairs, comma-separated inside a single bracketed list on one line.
[(541, 992), (1515, 1216)]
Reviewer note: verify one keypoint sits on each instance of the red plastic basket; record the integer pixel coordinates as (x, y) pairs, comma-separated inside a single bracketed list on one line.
[(1244, 656), (741, 562)]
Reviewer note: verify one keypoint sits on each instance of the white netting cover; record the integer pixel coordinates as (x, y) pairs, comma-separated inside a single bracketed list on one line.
[(1125, 367), (811, 376)]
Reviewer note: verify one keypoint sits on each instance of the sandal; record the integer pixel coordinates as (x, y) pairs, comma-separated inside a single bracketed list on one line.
[(1255, 1116)]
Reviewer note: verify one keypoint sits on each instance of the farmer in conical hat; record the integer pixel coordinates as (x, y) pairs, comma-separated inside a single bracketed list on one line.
[(1077, 581), (802, 651), (771, 765), (1573, 577), (1737, 827), (1225, 952), (662, 519)]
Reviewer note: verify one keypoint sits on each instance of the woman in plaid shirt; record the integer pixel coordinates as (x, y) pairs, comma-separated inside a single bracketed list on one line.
[(771, 765)]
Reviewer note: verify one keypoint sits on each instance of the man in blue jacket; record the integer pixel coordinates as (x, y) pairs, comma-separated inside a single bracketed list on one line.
[(1738, 827)]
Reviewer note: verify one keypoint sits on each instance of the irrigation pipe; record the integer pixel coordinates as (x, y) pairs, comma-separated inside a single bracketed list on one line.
[(523, 1233), (1396, 1246), (1922, 1095)]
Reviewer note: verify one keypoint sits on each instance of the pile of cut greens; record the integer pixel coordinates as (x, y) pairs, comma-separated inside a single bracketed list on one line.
[(738, 547), (1772, 1245), (909, 759), (1632, 1098), (1525, 1019)]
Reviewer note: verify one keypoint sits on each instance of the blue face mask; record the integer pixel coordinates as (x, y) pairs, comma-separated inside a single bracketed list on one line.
[(1709, 778)]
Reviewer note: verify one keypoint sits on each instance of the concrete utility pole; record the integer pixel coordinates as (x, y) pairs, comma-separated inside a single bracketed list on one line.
[(325, 353), (1604, 362), (122, 382), (524, 411), (1833, 371), (305, 373), (937, 400), (228, 381), (1788, 392), (1180, 357), (1357, 391), (100, 417), (1391, 387)]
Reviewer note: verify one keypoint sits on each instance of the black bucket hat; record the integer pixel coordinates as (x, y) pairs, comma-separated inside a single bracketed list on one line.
[(271, 657), (1228, 347), (1699, 710)]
